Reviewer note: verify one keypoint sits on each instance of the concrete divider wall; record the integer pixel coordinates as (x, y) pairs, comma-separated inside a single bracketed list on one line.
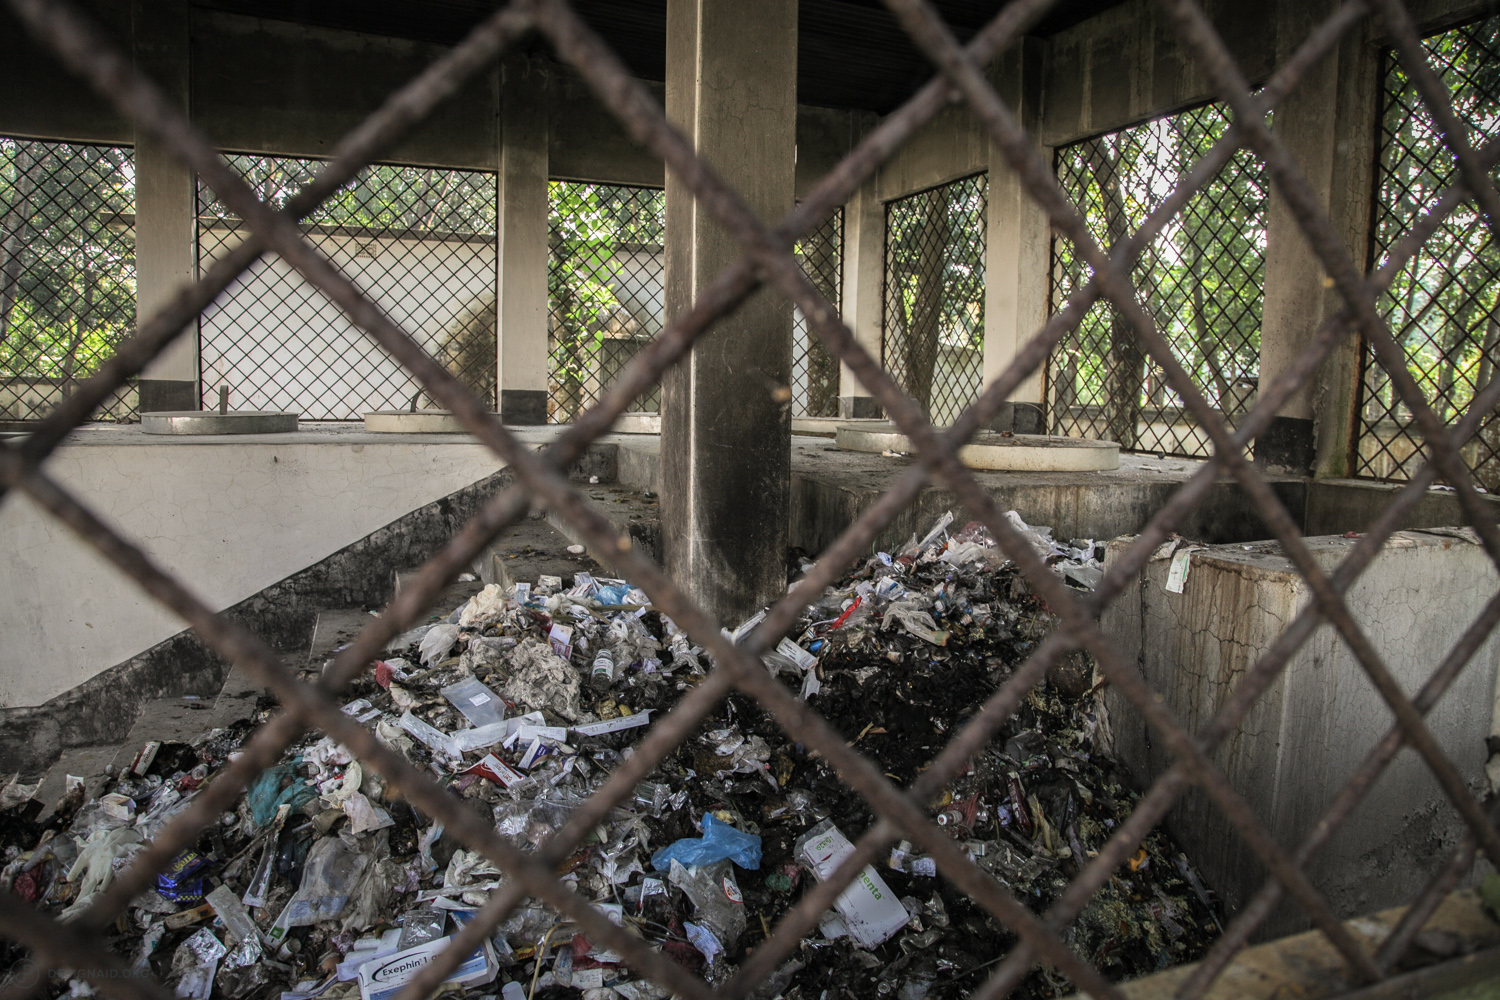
[(1313, 727), (229, 516)]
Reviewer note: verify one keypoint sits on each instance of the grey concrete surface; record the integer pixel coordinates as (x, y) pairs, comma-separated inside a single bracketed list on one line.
[(1313, 727), (731, 85)]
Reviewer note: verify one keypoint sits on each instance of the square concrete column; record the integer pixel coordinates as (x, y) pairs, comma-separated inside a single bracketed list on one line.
[(1329, 123), (864, 292), (1017, 250), (166, 209), (726, 416), (521, 285)]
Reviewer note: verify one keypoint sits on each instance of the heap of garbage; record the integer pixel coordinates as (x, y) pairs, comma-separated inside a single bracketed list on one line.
[(324, 882)]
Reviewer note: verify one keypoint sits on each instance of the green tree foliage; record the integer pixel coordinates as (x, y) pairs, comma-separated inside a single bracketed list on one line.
[(1202, 281), (420, 200), (67, 262), (1441, 306), (604, 247), (934, 295)]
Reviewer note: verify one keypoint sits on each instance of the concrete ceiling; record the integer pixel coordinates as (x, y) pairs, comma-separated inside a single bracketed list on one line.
[(852, 53)]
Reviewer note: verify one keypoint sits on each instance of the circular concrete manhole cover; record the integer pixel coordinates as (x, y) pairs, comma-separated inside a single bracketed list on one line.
[(206, 422), (996, 452), (413, 422)]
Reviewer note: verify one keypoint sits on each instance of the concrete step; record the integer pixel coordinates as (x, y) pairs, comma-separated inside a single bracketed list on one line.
[(632, 511), (528, 549), (167, 720), (337, 626), (87, 763)]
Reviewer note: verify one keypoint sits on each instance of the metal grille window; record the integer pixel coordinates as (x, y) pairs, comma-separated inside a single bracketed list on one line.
[(1442, 304), (420, 242), (815, 372), (67, 271), (606, 291), (1202, 281), (934, 295)]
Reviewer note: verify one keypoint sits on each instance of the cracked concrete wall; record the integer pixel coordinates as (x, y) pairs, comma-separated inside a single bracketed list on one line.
[(1313, 727), (231, 518)]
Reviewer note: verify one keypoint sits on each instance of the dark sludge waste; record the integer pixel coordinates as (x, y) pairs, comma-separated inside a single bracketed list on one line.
[(323, 881)]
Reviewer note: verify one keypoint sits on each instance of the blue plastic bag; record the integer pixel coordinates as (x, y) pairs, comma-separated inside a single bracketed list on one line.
[(719, 841), (612, 595)]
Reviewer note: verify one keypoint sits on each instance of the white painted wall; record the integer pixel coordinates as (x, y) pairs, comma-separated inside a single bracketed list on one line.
[(231, 516), (281, 344)]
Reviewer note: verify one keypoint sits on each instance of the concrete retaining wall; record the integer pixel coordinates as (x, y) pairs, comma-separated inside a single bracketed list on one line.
[(1314, 726), (231, 517)]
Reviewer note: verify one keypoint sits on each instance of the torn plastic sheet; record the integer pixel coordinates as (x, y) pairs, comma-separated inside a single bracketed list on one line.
[(437, 643)]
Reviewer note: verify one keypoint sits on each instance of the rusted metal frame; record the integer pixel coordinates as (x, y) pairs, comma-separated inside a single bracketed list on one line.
[(53, 25), (287, 241), (635, 108), (1439, 103), (317, 708), (630, 103), (1237, 935), (61, 946), (931, 35), (979, 730), (1160, 799), (739, 279), (246, 212), (1201, 38)]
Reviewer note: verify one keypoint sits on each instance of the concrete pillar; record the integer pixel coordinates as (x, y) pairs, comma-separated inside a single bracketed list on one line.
[(521, 286), (726, 416), (1017, 249), (166, 209), (1329, 123), (864, 292)]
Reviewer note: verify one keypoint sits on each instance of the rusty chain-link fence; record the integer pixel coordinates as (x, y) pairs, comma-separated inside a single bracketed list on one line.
[(768, 258)]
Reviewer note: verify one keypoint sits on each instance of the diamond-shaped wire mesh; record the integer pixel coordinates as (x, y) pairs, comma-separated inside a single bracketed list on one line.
[(933, 339), (606, 292), (67, 271), (1202, 282), (737, 666), (1442, 304), (419, 241), (815, 370)]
